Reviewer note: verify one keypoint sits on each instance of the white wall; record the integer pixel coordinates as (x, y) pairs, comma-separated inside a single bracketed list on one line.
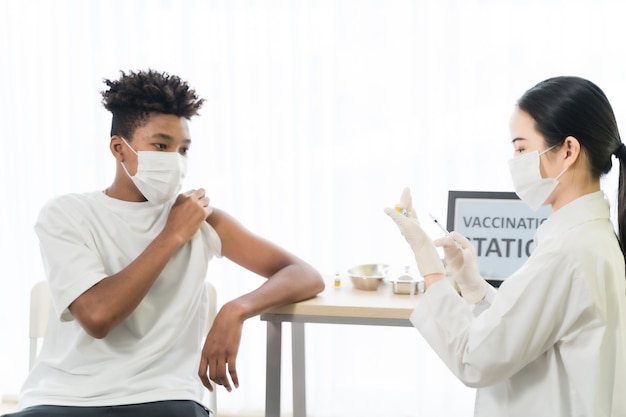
[(318, 114)]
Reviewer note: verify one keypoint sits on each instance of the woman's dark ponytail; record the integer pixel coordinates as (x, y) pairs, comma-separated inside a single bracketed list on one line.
[(620, 153)]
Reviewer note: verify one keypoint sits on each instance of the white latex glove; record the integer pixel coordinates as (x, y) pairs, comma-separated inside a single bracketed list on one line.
[(426, 256), (463, 266)]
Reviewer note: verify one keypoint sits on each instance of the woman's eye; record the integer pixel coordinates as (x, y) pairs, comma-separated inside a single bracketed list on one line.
[(160, 146), (519, 150), (183, 151)]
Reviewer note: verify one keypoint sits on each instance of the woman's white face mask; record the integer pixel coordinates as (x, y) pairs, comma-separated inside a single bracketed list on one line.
[(159, 175), (529, 186)]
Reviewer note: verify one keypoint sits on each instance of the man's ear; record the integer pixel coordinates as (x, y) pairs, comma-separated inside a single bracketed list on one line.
[(116, 146), (570, 150)]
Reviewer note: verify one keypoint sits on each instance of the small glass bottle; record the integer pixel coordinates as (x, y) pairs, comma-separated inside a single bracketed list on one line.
[(337, 282)]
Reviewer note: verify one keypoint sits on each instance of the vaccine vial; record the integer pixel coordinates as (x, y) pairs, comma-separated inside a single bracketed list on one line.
[(337, 282)]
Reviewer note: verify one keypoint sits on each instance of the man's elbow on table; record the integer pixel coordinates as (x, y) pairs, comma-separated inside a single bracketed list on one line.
[(308, 281), (314, 281)]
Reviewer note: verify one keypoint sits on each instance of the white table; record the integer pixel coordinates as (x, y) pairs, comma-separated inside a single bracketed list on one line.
[(343, 305)]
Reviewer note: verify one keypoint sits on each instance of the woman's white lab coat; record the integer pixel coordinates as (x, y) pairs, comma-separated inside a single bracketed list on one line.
[(552, 340)]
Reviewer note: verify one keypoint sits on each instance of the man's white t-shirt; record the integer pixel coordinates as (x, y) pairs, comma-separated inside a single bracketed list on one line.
[(154, 354)]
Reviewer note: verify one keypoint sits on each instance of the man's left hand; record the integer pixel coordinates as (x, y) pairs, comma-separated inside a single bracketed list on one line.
[(219, 354)]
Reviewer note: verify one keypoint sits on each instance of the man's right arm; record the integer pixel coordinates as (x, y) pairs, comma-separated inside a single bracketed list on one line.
[(110, 301)]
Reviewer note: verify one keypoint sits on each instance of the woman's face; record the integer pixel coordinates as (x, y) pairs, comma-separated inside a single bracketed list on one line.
[(525, 138)]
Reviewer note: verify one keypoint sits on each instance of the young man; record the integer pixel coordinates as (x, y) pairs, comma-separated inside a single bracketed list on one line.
[(126, 269)]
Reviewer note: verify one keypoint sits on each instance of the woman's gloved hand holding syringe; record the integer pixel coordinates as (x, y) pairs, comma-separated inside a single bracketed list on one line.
[(459, 253)]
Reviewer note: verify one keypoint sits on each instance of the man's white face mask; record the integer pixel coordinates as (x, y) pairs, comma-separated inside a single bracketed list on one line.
[(159, 175), (529, 186)]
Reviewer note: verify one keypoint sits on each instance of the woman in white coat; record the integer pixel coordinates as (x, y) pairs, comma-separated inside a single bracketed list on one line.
[(551, 341)]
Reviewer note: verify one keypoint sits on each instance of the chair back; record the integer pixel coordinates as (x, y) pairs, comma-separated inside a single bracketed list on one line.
[(212, 297), (38, 321)]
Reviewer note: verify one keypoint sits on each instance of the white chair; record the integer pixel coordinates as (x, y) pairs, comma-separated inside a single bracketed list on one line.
[(40, 310), (211, 397)]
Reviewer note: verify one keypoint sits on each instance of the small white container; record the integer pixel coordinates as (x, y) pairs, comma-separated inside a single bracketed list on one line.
[(407, 281), (406, 286)]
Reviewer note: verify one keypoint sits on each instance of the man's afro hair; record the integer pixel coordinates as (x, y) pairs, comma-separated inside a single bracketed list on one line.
[(136, 95)]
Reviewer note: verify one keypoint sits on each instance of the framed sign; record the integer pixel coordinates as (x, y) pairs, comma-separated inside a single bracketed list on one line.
[(500, 226)]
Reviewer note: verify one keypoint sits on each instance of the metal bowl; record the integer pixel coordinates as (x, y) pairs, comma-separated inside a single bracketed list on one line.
[(367, 276)]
